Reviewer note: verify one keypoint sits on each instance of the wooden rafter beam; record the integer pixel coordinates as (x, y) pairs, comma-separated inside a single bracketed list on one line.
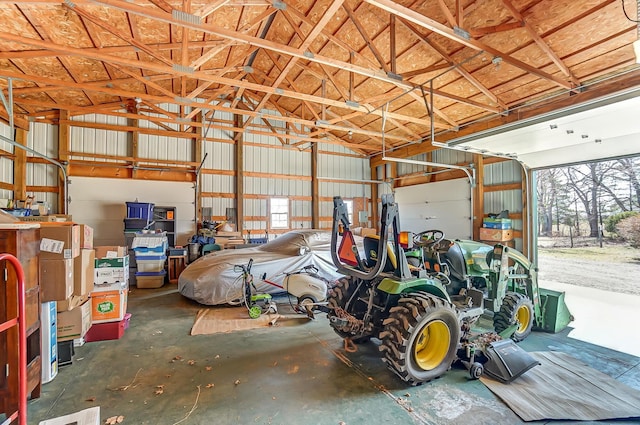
[(507, 26), (447, 13), (160, 68), (44, 53), (541, 43), (363, 33), (162, 5), (219, 47), (288, 50), (425, 22), (459, 69), (108, 27), (311, 36), (208, 9)]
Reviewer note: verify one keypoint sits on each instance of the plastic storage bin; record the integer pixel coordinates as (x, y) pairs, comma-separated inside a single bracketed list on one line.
[(139, 210), (108, 331), (151, 263), (149, 280)]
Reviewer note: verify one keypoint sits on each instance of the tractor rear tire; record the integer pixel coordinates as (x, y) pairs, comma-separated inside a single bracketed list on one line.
[(516, 308), (339, 296), (420, 338)]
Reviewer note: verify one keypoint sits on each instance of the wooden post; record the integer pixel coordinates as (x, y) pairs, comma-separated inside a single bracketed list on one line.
[(64, 147), (374, 198), (20, 167), (198, 134), (315, 188), (135, 148), (239, 139), (525, 210), (478, 194)]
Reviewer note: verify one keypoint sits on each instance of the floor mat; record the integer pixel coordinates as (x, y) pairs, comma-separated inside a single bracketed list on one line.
[(228, 319), (563, 387)]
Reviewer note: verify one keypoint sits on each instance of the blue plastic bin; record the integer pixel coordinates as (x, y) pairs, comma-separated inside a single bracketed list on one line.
[(139, 210)]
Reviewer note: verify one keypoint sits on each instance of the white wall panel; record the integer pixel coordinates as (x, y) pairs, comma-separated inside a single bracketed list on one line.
[(105, 210), (43, 138), (6, 132), (165, 148), (217, 183), (220, 156), (6, 173), (98, 141), (443, 205)]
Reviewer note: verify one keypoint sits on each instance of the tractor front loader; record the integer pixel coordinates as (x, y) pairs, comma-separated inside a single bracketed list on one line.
[(422, 328), (507, 279)]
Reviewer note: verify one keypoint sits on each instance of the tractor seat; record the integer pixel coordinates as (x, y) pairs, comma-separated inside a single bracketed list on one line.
[(455, 260), (370, 243)]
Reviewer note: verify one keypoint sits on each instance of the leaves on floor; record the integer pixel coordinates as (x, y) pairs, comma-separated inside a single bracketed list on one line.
[(159, 389), (114, 420)]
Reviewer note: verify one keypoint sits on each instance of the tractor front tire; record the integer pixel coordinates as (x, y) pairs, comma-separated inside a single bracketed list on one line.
[(341, 294), (420, 337), (516, 309)]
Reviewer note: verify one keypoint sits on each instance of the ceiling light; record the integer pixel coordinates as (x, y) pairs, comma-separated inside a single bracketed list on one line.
[(636, 49)]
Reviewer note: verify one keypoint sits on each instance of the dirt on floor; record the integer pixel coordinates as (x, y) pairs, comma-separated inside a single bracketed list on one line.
[(614, 267)]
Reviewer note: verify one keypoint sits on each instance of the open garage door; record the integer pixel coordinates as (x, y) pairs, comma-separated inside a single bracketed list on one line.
[(605, 128)]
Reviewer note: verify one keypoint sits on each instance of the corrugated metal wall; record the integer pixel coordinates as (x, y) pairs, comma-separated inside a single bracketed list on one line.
[(151, 146), (43, 138), (99, 141), (6, 164), (503, 173)]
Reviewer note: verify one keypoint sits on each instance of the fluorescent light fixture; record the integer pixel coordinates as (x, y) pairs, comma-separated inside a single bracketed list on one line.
[(636, 49)]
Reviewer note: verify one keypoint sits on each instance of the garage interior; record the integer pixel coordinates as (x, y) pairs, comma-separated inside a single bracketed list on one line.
[(239, 121)]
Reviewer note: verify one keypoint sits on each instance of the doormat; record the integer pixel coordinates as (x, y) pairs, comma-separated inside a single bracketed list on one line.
[(228, 319), (563, 387)]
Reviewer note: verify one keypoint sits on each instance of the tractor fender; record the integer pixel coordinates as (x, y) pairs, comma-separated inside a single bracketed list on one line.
[(396, 287)]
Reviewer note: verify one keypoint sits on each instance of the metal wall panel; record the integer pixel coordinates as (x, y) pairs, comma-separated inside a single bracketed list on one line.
[(43, 138), (98, 141), (6, 175), (166, 148), (217, 183), (502, 173), (220, 156), (6, 132)]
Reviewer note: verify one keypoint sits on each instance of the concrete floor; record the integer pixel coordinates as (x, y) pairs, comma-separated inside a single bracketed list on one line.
[(295, 373)]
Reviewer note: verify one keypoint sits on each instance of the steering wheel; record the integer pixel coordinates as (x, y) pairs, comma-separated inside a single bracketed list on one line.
[(428, 238)]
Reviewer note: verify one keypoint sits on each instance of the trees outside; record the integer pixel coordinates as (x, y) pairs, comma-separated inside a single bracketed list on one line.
[(587, 193)]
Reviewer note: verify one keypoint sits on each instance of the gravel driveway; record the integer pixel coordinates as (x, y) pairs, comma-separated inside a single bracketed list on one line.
[(615, 268)]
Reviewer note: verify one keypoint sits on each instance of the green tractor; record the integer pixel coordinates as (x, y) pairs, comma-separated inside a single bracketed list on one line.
[(423, 320)]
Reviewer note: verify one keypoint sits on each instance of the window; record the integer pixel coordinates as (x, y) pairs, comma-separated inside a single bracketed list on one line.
[(279, 211), (349, 205)]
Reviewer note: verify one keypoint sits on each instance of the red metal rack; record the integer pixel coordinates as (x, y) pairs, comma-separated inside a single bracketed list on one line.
[(19, 322)]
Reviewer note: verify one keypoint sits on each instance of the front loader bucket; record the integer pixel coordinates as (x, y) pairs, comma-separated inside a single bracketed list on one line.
[(555, 313)]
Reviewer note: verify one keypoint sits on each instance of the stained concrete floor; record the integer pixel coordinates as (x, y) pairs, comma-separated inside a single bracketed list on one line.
[(295, 373)]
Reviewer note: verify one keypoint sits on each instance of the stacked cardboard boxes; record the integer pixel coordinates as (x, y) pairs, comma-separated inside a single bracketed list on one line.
[(66, 276), (109, 295), (496, 230)]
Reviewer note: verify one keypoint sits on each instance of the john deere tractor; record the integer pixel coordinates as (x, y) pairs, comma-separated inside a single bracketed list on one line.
[(422, 316)]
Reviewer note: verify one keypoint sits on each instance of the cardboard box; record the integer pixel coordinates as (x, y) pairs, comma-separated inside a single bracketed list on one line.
[(59, 241), (110, 251), (86, 237), (111, 274), (72, 302), (74, 323), (109, 306), (83, 272), (56, 279), (495, 234)]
